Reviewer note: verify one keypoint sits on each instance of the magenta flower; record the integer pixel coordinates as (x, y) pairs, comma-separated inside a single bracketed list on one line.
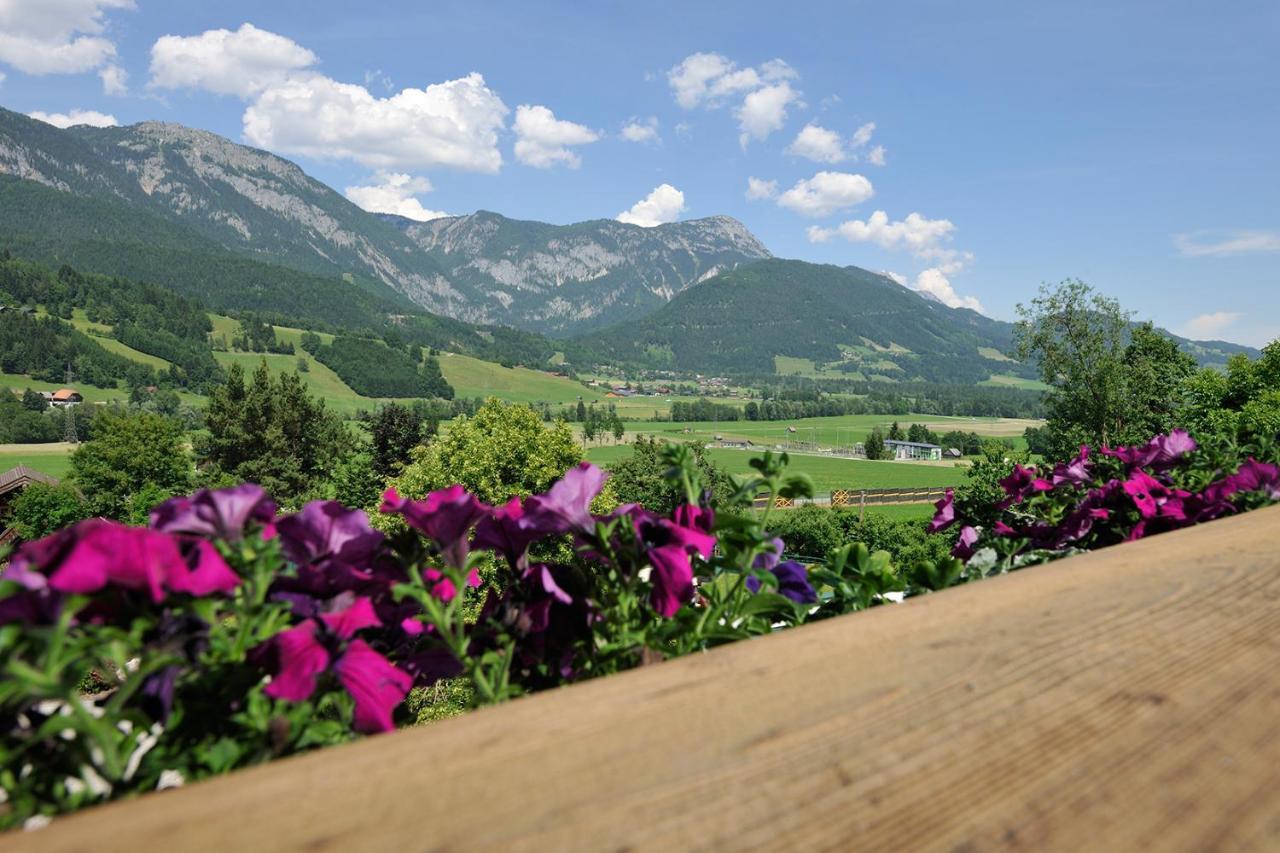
[(1153, 498), (670, 547), (793, 582), (1159, 453), (298, 657), (221, 513), (1075, 472), (93, 554), (946, 513), (771, 556), (566, 507), (1022, 483), (964, 547), (333, 547), (506, 532), (445, 517)]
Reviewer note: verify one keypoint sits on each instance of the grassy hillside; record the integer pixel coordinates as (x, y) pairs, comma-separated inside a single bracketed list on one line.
[(51, 459), (471, 377)]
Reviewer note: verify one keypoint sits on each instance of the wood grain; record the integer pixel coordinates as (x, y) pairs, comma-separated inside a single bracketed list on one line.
[(1124, 699)]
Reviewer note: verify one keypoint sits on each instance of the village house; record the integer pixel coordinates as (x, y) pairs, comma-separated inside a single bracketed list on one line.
[(12, 482), (913, 450), (66, 397)]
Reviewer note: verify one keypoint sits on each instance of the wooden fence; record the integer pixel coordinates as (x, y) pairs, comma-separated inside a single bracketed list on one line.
[(1124, 699), (861, 498)]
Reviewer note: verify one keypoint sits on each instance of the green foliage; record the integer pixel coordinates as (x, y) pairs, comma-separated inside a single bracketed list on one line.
[(502, 451), (874, 445), (271, 431), (978, 498), (1241, 406), (813, 532), (373, 369), (41, 508), (642, 477), (134, 461), (394, 430)]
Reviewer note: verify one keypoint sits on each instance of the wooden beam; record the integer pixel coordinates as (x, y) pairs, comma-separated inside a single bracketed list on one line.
[(1128, 698)]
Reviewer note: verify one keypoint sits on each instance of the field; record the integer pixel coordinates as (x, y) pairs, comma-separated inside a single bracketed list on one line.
[(1004, 380), (827, 472), (838, 431), (471, 377), (51, 459)]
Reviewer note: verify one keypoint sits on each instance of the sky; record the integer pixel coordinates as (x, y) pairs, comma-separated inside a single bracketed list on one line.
[(974, 151)]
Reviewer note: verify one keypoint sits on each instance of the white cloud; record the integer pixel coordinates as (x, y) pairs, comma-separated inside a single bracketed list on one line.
[(664, 204), (862, 135), (709, 78), (818, 144), (640, 131), (758, 188), (2, 78), (1210, 325), (876, 156), (115, 80), (825, 193), (896, 276), (241, 63), (1201, 243), (915, 233), (74, 117), (394, 192), (933, 282), (542, 140), (453, 124), (56, 36), (764, 111)]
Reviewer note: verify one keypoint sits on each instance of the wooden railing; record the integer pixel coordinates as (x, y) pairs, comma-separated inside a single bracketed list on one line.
[(861, 498), (1124, 699)]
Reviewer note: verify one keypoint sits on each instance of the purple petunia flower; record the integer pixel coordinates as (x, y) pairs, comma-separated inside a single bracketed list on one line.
[(771, 557), (964, 549), (793, 582), (1075, 472), (90, 555), (445, 517), (670, 547), (333, 547), (220, 513), (1159, 453), (506, 532), (566, 507), (1153, 498), (298, 656), (946, 513), (1022, 483)]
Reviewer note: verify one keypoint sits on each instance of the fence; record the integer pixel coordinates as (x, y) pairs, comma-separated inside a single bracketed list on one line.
[(861, 498)]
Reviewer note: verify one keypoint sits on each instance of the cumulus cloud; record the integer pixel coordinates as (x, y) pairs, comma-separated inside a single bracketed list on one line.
[(1210, 325), (825, 193), (57, 36), (1203, 243), (453, 124), (640, 131), (818, 144), (758, 188), (393, 192), (915, 233), (542, 140), (115, 80), (74, 117), (710, 80), (241, 63), (862, 135), (664, 204), (764, 111), (876, 156), (934, 283)]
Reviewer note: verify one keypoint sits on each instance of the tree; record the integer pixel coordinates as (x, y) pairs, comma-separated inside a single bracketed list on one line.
[(639, 478), (582, 412), (619, 429), (42, 508), (874, 445), (272, 432), (394, 431), (895, 433), (33, 401), (1155, 371), (503, 451), (1078, 338), (134, 460)]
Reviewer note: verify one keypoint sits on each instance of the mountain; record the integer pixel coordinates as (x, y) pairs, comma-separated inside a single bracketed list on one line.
[(164, 187), (792, 316), (565, 278)]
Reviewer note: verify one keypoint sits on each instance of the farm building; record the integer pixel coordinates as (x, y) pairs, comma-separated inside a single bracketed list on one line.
[(913, 450), (66, 397)]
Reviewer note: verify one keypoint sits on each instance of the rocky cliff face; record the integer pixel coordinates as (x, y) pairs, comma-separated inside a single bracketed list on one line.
[(480, 268)]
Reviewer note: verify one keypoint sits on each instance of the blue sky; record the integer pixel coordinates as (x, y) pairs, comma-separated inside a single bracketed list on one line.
[(1133, 145)]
